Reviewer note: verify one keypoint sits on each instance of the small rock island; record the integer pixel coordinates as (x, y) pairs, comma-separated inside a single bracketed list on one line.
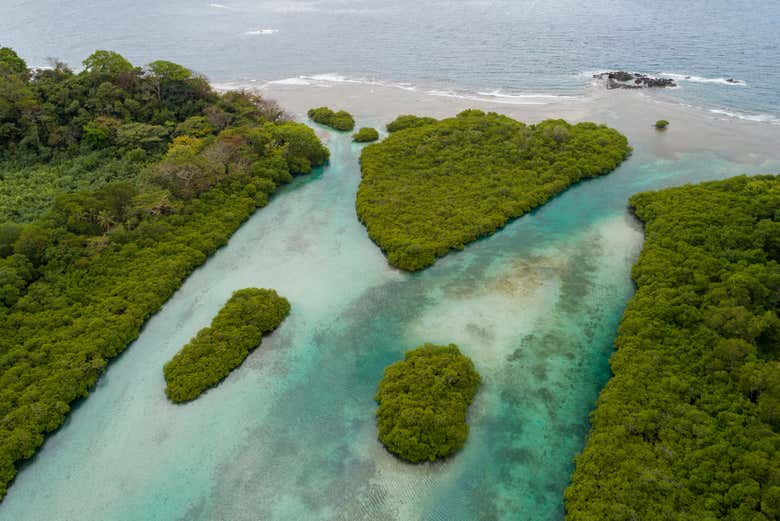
[(633, 80)]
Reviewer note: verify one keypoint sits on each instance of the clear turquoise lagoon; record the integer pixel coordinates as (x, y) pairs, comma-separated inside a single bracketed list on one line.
[(291, 434)]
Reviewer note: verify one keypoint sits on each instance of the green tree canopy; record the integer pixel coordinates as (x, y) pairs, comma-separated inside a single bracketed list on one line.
[(688, 428), (169, 71), (341, 120), (436, 186), (365, 135), (216, 350), (108, 63), (423, 401), (408, 121), (11, 63)]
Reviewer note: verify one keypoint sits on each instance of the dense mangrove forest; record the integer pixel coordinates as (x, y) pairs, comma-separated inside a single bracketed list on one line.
[(117, 181), (432, 187), (688, 428)]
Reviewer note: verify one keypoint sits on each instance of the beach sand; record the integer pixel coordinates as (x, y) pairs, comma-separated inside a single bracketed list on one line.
[(633, 113)]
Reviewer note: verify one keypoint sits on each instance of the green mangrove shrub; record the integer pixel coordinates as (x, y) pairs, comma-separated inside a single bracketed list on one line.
[(408, 121), (216, 350), (341, 120), (365, 135), (423, 401), (429, 189), (661, 124), (688, 427)]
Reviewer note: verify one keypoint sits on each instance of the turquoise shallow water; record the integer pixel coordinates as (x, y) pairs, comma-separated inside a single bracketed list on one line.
[(291, 434)]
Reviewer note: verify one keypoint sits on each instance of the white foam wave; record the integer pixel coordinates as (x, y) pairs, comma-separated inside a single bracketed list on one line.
[(498, 93), (255, 32), (760, 118), (290, 81), (494, 96), (504, 99), (406, 86), (701, 79), (332, 78), (219, 6)]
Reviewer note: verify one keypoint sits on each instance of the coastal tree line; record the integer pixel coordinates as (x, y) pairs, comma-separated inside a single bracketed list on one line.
[(688, 428), (162, 171)]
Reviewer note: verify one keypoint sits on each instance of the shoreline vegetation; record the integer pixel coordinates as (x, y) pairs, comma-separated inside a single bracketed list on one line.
[(423, 400), (216, 350), (341, 120), (96, 257), (688, 427), (434, 186)]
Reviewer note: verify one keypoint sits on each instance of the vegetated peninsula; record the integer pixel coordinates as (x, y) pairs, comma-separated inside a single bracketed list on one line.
[(341, 120), (688, 428), (162, 171), (218, 349), (436, 186), (423, 401)]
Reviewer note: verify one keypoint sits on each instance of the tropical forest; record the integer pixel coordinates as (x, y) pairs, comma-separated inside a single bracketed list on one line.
[(118, 181)]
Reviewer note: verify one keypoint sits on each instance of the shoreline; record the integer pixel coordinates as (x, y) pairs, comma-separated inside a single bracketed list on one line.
[(692, 129)]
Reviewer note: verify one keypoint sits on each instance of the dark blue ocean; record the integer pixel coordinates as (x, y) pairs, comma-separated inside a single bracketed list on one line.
[(511, 47)]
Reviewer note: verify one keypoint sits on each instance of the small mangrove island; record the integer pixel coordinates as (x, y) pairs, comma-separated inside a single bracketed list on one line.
[(423, 401), (341, 120), (365, 135), (216, 350), (688, 427), (435, 186)]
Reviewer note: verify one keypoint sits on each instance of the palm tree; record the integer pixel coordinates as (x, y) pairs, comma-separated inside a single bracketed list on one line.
[(104, 220)]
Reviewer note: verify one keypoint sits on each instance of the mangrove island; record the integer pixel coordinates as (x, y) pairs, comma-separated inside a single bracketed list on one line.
[(435, 186), (423, 401)]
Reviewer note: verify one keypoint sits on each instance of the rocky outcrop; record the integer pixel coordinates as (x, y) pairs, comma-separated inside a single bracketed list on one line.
[(633, 80)]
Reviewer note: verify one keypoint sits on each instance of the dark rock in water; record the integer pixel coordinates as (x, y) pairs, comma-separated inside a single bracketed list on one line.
[(621, 76), (633, 80), (732, 80)]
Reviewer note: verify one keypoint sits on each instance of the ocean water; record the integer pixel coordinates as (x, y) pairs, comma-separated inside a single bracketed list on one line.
[(496, 47), (291, 434)]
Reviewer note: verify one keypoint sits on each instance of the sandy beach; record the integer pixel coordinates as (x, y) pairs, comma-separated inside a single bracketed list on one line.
[(633, 113)]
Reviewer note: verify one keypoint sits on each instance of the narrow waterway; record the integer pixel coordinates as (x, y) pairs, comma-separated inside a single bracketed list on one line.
[(291, 434)]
